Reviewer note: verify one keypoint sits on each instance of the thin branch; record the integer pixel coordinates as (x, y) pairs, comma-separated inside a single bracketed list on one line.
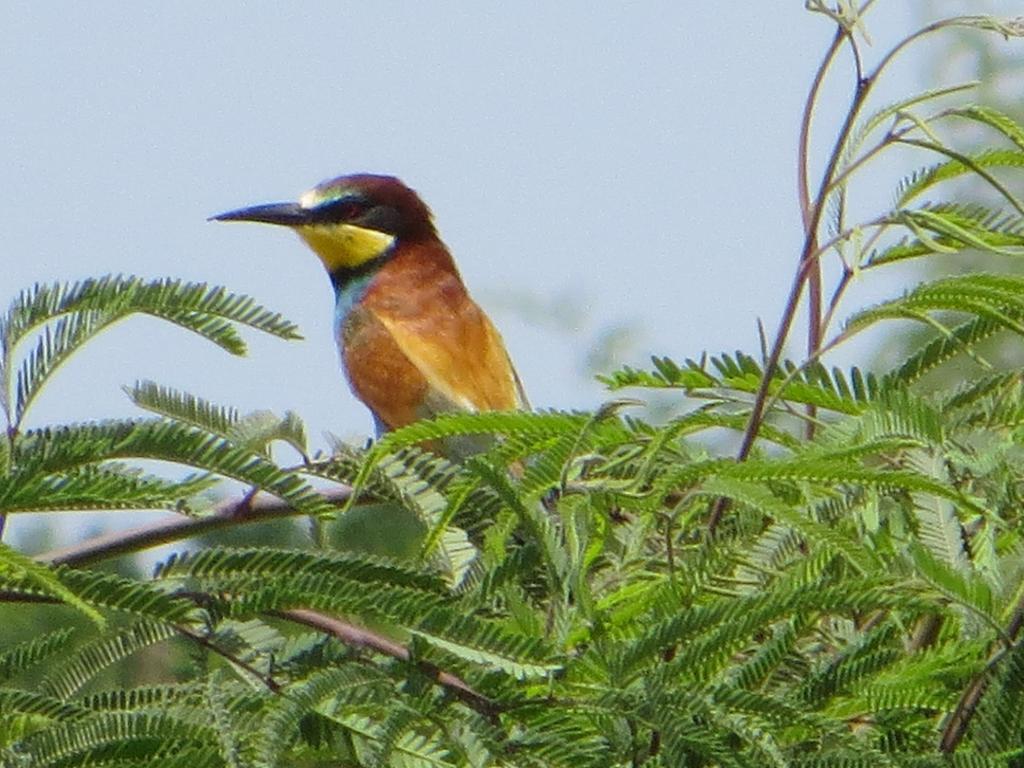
[(837, 295), (865, 157), (248, 510), (958, 722), (757, 411), (804, 192), (803, 160), (14, 596), (228, 513), (808, 211), (358, 637), (807, 265), (11, 596), (907, 41), (811, 359), (271, 684), (846, 234)]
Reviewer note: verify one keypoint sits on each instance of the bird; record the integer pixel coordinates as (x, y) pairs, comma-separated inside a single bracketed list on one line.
[(413, 343)]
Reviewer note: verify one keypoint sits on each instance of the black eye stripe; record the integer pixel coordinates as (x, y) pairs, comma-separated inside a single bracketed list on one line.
[(342, 209)]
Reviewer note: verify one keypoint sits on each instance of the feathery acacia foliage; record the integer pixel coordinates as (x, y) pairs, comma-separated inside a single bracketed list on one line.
[(594, 589)]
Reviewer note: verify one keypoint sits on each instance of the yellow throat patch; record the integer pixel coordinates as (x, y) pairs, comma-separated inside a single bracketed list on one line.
[(345, 246)]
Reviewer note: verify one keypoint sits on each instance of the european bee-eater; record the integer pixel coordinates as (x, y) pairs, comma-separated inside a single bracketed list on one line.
[(413, 343)]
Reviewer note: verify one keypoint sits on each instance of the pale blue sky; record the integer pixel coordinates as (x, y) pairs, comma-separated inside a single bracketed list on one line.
[(630, 162)]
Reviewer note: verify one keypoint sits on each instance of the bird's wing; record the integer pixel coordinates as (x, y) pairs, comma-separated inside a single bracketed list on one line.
[(463, 362)]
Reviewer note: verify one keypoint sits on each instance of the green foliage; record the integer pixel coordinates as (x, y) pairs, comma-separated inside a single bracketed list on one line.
[(591, 589)]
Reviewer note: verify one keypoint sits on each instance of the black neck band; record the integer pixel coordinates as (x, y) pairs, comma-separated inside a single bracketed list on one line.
[(345, 275)]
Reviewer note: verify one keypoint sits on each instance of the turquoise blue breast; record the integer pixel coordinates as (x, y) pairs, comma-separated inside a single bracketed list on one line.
[(346, 295)]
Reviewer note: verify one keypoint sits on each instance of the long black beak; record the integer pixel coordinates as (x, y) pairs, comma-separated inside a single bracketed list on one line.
[(285, 214)]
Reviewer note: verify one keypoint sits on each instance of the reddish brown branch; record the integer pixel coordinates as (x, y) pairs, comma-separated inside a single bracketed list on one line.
[(358, 637), (228, 513), (956, 726), (267, 680), (807, 266), (235, 512), (807, 215)]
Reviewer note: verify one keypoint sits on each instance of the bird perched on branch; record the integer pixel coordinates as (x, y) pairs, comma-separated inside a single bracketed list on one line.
[(413, 343)]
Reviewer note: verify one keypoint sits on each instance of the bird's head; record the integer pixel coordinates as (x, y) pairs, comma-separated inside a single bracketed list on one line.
[(349, 221)]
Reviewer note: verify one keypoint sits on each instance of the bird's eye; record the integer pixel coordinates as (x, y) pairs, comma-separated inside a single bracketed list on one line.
[(344, 209), (351, 209)]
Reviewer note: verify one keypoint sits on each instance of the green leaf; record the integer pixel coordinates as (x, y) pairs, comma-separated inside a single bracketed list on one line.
[(30, 653), (108, 487), (868, 126), (520, 670), (257, 430), (78, 311), (950, 228), (812, 384), (995, 298), (833, 540), (967, 590), (56, 344), (144, 599), (22, 571), (342, 686), (13, 702), (86, 662), (943, 348), (183, 407), (264, 564), (1004, 236), (921, 181), (72, 446), (151, 733), (994, 118)]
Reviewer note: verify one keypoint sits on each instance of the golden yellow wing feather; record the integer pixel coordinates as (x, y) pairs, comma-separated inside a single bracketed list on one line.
[(470, 372), (417, 345)]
